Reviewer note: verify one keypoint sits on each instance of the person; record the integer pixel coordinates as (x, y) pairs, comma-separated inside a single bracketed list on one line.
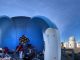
[(20, 55), (30, 52), (5, 50)]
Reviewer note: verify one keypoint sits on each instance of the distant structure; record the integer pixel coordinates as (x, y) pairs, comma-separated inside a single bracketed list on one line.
[(71, 43)]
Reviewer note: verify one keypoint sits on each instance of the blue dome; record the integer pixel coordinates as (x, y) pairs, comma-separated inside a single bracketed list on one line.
[(21, 25)]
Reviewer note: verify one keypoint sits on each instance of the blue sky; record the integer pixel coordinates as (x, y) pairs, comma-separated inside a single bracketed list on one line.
[(64, 13)]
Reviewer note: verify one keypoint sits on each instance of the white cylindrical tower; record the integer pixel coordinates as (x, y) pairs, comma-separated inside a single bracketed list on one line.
[(52, 44)]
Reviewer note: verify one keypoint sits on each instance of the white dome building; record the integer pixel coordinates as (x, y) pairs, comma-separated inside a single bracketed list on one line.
[(72, 42)]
